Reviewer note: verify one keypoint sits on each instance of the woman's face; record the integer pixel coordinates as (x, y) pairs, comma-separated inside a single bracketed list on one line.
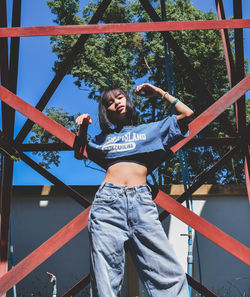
[(116, 106)]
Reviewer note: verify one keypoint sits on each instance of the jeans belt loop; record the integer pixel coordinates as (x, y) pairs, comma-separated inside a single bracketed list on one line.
[(150, 190)]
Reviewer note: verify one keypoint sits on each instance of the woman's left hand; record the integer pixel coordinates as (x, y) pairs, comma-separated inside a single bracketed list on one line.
[(148, 90)]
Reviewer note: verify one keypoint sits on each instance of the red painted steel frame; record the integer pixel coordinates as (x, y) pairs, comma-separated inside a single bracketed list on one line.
[(123, 28), (169, 204)]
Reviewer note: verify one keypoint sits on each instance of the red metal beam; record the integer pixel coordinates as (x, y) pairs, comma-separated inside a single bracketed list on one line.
[(47, 249), (37, 116), (62, 71), (214, 111), (123, 28), (213, 233)]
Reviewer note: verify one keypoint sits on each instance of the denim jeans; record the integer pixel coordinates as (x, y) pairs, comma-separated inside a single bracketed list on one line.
[(122, 214)]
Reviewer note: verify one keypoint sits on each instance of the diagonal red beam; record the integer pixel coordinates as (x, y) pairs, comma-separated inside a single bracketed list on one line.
[(124, 28), (213, 233), (214, 111), (37, 116), (42, 253)]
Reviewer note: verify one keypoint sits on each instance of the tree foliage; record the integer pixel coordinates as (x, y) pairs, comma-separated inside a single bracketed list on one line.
[(124, 59)]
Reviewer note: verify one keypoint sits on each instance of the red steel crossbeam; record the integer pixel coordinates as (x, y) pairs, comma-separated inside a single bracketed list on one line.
[(214, 111), (124, 28), (37, 116)]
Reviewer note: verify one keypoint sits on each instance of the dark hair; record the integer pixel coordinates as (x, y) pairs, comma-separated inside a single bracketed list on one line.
[(104, 120)]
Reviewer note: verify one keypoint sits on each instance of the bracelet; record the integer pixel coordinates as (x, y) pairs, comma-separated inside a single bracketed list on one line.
[(174, 102), (163, 96)]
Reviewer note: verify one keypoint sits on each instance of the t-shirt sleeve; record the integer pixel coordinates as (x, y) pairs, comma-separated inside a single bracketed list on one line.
[(170, 132)]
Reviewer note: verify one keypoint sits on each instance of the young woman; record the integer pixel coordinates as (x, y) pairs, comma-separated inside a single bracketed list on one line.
[(123, 210)]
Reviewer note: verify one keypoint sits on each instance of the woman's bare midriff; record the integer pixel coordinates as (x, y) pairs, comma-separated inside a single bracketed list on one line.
[(126, 174)]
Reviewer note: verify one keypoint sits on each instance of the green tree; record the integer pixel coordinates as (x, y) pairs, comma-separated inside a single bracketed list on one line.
[(122, 59)]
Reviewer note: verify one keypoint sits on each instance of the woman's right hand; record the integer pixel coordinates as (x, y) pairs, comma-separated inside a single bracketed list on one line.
[(84, 119)]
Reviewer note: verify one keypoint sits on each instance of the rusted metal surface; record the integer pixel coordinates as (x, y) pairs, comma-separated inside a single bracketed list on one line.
[(124, 27), (62, 71), (42, 253), (208, 230), (215, 110)]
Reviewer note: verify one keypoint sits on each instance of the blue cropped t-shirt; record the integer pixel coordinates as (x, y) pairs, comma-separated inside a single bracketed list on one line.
[(146, 144)]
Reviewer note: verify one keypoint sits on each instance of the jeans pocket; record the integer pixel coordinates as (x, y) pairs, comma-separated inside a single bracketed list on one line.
[(105, 198), (144, 198)]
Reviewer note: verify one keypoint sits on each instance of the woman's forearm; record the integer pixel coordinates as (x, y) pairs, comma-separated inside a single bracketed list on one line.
[(183, 110)]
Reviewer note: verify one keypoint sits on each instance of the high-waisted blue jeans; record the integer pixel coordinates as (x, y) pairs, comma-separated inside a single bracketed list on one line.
[(120, 214)]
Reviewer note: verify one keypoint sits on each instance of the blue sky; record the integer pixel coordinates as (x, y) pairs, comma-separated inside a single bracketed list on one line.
[(35, 74)]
